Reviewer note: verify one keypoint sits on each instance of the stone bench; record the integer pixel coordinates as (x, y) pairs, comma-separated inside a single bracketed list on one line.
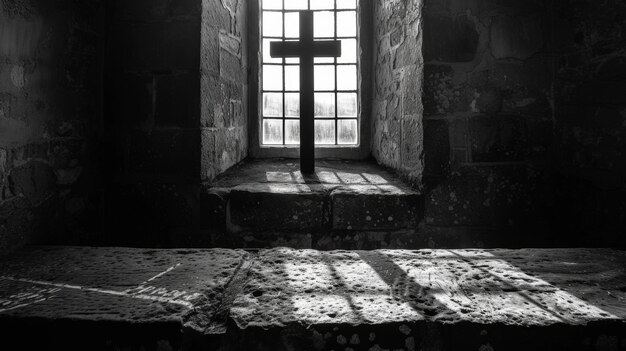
[(287, 299)]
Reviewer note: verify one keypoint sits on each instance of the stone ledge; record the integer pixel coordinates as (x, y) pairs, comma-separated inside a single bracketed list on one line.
[(286, 299), (277, 207), (273, 196)]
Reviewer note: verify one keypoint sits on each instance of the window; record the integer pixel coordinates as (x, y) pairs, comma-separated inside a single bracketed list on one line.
[(336, 79)]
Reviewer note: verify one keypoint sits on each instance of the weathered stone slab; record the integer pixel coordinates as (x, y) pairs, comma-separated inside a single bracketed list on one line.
[(272, 195), (529, 288), (375, 207), (278, 206), (115, 284), (286, 299)]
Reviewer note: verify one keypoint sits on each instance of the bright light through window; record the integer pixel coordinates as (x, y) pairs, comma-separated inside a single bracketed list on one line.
[(336, 79)]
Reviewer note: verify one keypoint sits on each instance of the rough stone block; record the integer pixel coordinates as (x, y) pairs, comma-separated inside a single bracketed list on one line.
[(278, 206), (516, 37), (207, 161), (215, 13), (449, 39), (440, 95), (489, 101), (498, 139), (412, 146), (463, 199), (459, 133), (230, 147), (210, 50), (370, 207), (436, 147), (212, 106), (34, 180)]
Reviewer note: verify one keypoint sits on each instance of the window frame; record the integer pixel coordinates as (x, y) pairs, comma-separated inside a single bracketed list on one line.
[(352, 151)]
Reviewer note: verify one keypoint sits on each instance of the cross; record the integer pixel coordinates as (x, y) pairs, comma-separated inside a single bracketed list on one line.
[(306, 49)]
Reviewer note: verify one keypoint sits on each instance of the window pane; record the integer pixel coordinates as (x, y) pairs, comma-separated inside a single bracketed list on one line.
[(292, 24), (348, 51), (272, 4), (272, 105), (324, 77), (266, 52), (347, 104), (272, 77), (324, 60), (322, 4), (323, 24), (346, 24), (346, 77), (292, 78), (346, 4), (292, 105), (296, 5), (324, 105), (325, 132), (347, 132), (292, 132), (272, 131), (272, 24), (335, 79)]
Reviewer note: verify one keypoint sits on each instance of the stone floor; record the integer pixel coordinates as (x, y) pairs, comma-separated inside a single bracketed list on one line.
[(269, 203), (287, 299)]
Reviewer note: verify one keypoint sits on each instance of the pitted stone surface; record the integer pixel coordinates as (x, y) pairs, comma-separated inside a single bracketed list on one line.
[(327, 172), (375, 207), (115, 284), (267, 195), (396, 299), (506, 287), (278, 206)]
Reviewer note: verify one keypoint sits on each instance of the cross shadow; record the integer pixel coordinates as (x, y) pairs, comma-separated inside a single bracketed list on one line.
[(404, 288)]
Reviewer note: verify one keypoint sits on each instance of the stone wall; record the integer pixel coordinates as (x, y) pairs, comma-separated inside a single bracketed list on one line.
[(152, 120), (50, 119), (590, 119), (516, 112), (397, 138), (175, 114), (488, 120), (224, 86)]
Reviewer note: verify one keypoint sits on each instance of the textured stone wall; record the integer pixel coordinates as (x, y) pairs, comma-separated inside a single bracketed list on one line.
[(50, 115), (524, 129), (590, 118), (397, 138), (488, 110), (224, 86)]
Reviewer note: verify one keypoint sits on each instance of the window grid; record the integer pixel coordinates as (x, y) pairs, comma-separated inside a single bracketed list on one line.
[(318, 62)]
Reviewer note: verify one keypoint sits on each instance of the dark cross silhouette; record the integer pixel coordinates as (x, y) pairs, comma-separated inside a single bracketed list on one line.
[(306, 49)]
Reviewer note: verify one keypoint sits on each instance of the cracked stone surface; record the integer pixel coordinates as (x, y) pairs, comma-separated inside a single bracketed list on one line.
[(115, 284), (313, 300), (509, 287)]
